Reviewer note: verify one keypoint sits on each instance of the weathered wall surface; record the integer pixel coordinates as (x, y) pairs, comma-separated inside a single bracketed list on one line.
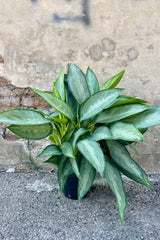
[(39, 37)]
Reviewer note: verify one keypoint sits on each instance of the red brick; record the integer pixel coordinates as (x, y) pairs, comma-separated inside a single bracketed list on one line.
[(34, 100), (14, 97), (8, 101)]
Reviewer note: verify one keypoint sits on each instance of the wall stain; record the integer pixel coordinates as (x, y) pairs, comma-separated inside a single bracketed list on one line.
[(1, 59), (83, 17), (34, 1)]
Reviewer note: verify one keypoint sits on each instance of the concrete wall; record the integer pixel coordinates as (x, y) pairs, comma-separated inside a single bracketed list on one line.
[(40, 37)]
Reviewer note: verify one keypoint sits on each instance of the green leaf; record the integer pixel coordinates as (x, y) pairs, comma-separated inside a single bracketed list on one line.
[(146, 119), (59, 120), (93, 153), (123, 100), (67, 149), (127, 165), (78, 134), (114, 179), (97, 102), (56, 103), (55, 137), (125, 131), (117, 113), (50, 150), (32, 131), (92, 81), (70, 130), (64, 170), (55, 159), (75, 168), (100, 133), (45, 112), (54, 114), (71, 100), (77, 83), (88, 174), (23, 117), (113, 82), (55, 92), (59, 84)]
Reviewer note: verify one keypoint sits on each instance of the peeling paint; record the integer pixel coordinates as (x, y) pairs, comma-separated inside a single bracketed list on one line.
[(108, 44), (95, 53), (132, 54)]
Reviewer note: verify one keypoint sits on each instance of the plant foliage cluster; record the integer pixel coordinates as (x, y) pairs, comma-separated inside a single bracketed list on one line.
[(89, 130)]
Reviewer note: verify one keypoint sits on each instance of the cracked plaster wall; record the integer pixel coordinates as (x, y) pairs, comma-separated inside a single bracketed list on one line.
[(39, 38)]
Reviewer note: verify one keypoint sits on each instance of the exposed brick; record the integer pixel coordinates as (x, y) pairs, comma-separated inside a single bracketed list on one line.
[(9, 136), (4, 82), (3, 125), (1, 59), (14, 97), (18, 92), (34, 100), (8, 101)]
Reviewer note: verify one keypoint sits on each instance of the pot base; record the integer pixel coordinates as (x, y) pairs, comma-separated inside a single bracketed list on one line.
[(71, 187)]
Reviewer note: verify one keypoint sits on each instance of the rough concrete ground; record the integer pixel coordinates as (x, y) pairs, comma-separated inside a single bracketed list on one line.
[(32, 208)]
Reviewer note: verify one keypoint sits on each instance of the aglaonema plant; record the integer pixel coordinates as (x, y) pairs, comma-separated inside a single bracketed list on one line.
[(90, 129)]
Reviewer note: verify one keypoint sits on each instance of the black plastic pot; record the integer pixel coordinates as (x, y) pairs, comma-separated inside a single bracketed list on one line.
[(71, 187)]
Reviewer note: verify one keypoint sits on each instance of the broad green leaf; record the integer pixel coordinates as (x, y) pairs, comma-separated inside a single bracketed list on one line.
[(56, 103), (50, 150), (45, 112), (32, 131), (117, 113), (78, 134), (20, 116), (56, 92), (100, 133), (92, 81), (54, 114), (127, 165), (88, 174), (77, 83), (146, 119), (93, 153), (55, 159), (114, 179), (97, 102), (59, 84), (75, 167), (71, 100), (113, 82), (64, 170), (125, 131), (67, 149), (123, 100)]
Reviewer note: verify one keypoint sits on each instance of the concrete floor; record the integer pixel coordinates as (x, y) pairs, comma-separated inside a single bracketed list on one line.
[(32, 208)]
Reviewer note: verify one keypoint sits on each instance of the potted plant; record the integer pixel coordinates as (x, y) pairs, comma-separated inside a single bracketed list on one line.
[(89, 131)]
